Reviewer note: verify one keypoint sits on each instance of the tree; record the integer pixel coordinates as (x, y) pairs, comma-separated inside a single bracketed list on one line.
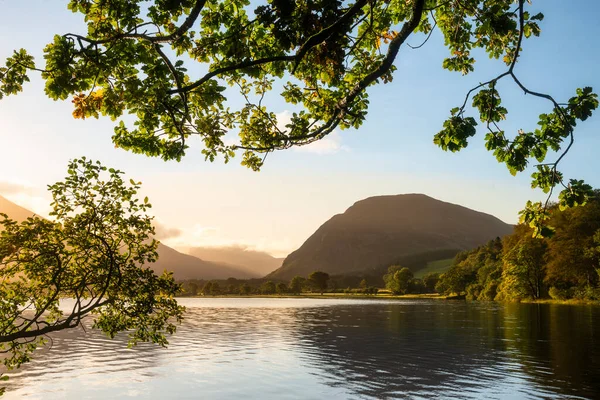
[(363, 285), (192, 288), (207, 289), (268, 288), (319, 280), (593, 253), (296, 285), (398, 278), (320, 57), (524, 269), (571, 260), (95, 251), (430, 281), (281, 288), (215, 289), (245, 289)]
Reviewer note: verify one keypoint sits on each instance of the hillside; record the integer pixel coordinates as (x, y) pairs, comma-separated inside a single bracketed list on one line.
[(257, 263), (183, 266), (378, 231), (14, 211)]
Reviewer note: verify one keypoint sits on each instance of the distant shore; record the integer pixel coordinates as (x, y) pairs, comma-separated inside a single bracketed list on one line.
[(330, 296), (388, 297)]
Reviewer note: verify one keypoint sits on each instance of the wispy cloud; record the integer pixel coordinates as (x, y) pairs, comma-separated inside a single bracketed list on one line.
[(330, 144), (202, 236), (8, 188), (164, 232)]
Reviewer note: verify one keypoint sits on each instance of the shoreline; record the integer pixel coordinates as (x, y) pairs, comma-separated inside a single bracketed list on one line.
[(389, 297), (326, 296)]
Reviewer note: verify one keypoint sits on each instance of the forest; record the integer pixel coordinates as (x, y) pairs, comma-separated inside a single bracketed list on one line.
[(565, 265)]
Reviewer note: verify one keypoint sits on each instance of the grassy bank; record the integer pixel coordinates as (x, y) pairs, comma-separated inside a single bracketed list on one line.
[(567, 302), (388, 296), (384, 296)]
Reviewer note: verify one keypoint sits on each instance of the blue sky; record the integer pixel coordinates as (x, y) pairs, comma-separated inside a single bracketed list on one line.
[(297, 190)]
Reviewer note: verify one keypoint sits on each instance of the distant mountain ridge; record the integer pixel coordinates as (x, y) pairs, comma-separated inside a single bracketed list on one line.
[(378, 231), (183, 266), (256, 263)]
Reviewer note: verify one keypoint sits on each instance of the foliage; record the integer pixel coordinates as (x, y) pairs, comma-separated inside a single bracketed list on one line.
[(319, 280), (245, 289), (211, 288), (296, 285), (93, 252), (430, 281), (520, 266), (268, 288), (281, 288), (175, 65), (207, 289), (524, 271), (398, 278), (474, 272), (372, 290)]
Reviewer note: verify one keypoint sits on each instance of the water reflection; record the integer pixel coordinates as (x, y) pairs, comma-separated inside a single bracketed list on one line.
[(311, 349)]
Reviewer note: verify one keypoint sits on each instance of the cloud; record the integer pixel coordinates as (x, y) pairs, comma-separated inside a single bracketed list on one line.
[(330, 144), (203, 236), (163, 232), (9, 188)]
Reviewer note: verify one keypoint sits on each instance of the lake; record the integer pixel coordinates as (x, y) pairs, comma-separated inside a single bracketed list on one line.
[(333, 349)]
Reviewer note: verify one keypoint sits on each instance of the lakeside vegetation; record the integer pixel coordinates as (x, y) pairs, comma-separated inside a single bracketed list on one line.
[(562, 267)]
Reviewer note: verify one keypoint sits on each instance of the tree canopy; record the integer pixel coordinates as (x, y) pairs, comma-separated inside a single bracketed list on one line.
[(176, 66), (519, 266), (94, 252), (319, 279), (398, 279)]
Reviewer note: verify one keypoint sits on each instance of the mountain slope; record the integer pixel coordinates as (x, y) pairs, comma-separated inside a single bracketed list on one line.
[(257, 263), (378, 231), (183, 266), (14, 211)]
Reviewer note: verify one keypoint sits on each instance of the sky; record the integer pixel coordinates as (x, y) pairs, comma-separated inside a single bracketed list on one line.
[(198, 203)]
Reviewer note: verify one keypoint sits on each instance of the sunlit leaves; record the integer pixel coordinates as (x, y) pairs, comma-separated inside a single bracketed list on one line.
[(137, 60), (212, 68), (582, 105), (545, 178), (14, 74), (487, 101), (456, 132), (536, 215), (516, 152), (575, 194), (93, 250)]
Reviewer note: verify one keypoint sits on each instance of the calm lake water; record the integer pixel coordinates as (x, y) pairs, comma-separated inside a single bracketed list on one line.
[(333, 349)]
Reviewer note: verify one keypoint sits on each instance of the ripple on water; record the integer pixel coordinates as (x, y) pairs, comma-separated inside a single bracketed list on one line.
[(335, 349)]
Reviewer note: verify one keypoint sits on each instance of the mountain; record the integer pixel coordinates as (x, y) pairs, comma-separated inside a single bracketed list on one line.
[(257, 263), (410, 229), (183, 266), (14, 211)]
